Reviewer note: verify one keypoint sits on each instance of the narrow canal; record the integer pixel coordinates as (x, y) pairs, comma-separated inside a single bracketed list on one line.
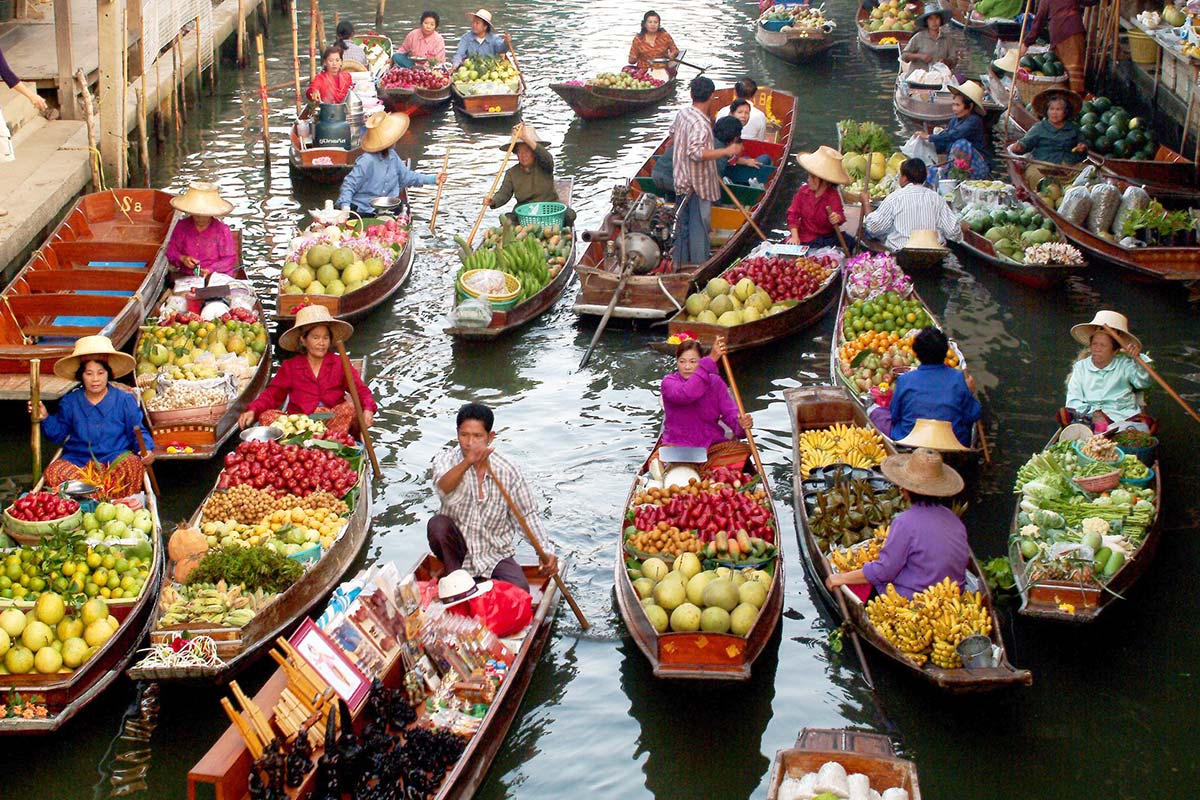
[(1112, 710)]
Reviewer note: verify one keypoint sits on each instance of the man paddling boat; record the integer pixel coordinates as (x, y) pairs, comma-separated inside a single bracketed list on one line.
[(475, 529), (532, 179)]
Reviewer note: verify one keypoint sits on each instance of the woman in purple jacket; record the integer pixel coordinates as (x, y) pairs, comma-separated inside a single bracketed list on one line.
[(696, 400)]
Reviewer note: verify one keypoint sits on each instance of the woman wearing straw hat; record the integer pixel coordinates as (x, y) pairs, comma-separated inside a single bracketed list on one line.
[(816, 210), (379, 172), (965, 139), (97, 423), (1105, 381), (481, 41), (927, 543), (201, 243), (1056, 138), (315, 380), (931, 43)]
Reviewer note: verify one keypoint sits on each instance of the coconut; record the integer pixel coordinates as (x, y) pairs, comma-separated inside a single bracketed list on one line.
[(745, 287), (717, 286), (696, 303), (721, 593), (741, 619), (685, 618), (730, 318), (714, 620), (707, 317), (721, 304)]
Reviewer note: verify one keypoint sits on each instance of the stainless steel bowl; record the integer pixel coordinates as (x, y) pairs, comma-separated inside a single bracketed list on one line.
[(77, 489), (261, 433), (387, 204)]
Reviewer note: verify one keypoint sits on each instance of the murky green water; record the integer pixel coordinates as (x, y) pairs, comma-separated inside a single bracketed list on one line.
[(1111, 713)]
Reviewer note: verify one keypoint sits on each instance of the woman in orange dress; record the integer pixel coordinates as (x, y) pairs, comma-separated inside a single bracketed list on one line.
[(653, 42)]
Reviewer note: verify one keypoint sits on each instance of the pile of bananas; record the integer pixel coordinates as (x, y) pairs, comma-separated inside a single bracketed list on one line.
[(216, 604), (853, 558), (930, 626), (840, 443)]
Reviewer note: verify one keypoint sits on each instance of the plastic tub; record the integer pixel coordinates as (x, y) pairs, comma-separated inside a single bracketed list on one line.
[(1142, 48), (541, 213)]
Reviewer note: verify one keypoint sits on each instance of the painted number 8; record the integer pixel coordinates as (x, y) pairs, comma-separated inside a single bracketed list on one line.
[(128, 204)]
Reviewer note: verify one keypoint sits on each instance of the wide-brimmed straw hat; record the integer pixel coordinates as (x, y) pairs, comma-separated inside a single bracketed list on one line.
[(933, 10), (923, 472), (825, 163), (1042, 101), (1082, 332), (459, 587), (483, 14), (384, 130), (1009, 62), (311, 316), (971, 91), (924, 239), (202, 199), (936, 434), (532, 132), (94, 348)]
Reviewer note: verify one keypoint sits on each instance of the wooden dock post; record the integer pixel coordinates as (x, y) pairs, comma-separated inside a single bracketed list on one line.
[(66, 59), (241, 35), (110, 22)]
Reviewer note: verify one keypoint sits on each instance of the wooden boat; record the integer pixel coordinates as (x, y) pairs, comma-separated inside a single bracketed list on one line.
[(1045, 599), (1163, 263), (794, 45), (506, 321), (965, 461), (921, 103), (67, 694), (1036, 276), (874, 41), (697, 655), (762, 331), (488, 106), (320, 164), (591, 101), (868, 753), (819, 407), (238, 648), (224, 769), (656, 296), (416, 101), (964, 15), (356, 305), (97, 273), (205, 437), (1169, 176)]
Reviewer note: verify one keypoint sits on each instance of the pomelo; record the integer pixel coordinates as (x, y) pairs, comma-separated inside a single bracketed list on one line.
[(687, 565), (717, 286), (18, 660), (97, 633), (37, 635), (12, 621), (50, 608), (670, 594), (644, 587), (47, 661), (93, 610), (696, 586), (5, 642), (74, 652), (685, 618), (655, 569), (658, 617), (696, 303), (720, 593), (752, 592), (714, 620), (741, 620)]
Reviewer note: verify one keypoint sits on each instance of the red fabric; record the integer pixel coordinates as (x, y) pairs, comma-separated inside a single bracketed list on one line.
[(505, 610), (331, 89), (304, 392), (809, 214)]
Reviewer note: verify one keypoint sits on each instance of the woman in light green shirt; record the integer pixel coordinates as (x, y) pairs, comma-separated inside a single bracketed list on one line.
[(1105, 380)]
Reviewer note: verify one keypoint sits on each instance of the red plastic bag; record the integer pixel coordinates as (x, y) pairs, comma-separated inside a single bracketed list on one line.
[(505, 610)]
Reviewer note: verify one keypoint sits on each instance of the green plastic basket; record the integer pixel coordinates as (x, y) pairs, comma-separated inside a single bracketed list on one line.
[(541, 213)]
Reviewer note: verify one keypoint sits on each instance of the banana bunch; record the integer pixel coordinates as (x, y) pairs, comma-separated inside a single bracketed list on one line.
[(214, 604), (897, 621), (840, 443), (853, 558), (931, 625)]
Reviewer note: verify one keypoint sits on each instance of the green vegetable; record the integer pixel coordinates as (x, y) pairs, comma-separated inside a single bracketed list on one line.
[(1115, 561), (865, 137), (1101, 560), (252, 567), (1047, 519)]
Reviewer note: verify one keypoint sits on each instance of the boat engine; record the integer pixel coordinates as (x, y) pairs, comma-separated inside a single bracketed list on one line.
[(640, 227)]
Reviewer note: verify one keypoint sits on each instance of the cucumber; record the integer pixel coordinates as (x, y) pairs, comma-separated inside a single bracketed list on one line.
[(1115, 561), (1101, 560)]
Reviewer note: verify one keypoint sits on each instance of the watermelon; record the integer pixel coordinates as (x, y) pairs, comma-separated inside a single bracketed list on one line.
[(1120, 148), (1090, 118), (1102, 145), (1115, 132), (1101, 104)]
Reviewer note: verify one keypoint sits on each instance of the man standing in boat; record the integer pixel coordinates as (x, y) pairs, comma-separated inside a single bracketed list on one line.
[(476, 529), (695, 175)]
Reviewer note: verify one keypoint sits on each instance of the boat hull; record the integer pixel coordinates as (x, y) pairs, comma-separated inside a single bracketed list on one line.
[(794, 47)]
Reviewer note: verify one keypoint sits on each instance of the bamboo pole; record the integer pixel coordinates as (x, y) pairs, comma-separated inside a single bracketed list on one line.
[(199, 66), (181, 74), (89, 115), (737, 398), (143, 96), (296, 61), (1012, 90), (437, 200), (379, 7), (322, 42), (495, 182), (241, 34), (312, 39), (262, 95), (35, 402), (143, 143)]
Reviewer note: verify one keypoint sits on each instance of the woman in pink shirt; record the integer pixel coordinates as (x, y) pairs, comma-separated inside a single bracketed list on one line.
[(696, 400), (314, 380), (423, 42), (201, 243), (816, 209)]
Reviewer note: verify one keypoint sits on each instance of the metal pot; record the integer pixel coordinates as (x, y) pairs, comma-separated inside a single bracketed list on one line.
[(261, 433)]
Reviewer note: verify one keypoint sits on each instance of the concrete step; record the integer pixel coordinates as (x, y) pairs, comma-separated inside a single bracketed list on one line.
[(18, 111)]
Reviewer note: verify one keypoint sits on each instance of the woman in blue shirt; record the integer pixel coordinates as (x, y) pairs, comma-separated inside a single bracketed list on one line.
[(481, 41), (965, 139), (96, 422), (379, 172)]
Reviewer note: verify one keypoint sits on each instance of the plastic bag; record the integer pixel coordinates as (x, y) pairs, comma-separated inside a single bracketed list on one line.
[(860, 786), (798, 789), (1086, 176), (831, 777), (1135, 198), (505, 610), (1106, 199), (1076, 204), (473, 313), (918, 147), (486, 282), (895, 794)]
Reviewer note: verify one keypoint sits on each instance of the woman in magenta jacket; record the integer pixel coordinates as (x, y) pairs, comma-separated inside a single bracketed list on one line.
[(696, 400)]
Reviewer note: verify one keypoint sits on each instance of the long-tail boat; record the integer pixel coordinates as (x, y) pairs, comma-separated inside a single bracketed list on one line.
[(870, 754)]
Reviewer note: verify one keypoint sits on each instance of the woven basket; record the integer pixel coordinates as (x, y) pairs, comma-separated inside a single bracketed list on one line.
[(1031, 86), (199, 415), (1099, 483), (727, 454)]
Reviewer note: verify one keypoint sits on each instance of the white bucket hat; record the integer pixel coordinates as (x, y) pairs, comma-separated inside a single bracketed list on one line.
[(1082, 332), (459, 587)]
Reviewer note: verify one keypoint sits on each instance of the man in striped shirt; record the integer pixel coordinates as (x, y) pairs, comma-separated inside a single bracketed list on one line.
[(475, 529), (912, 207), (695, 175)]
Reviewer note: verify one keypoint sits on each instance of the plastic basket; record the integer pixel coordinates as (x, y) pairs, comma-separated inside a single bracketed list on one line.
[(541, 213), (776, 25), (500, 302), (1099, 483), (1142, 48), (1078, 447), (1141, 483)]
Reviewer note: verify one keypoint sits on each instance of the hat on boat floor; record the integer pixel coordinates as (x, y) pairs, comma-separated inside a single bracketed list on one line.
[(924, 239), (459, 587)]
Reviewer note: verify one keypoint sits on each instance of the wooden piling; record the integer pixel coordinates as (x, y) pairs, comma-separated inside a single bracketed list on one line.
[(143, 142), (262, 95), (241, 34)]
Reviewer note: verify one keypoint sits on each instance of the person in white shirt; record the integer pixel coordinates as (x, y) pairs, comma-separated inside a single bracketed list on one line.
[(756, 126), (912, 207)]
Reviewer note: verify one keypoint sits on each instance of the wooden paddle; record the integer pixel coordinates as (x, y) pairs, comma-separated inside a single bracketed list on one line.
[(1012, 90), (358, 410), (437, 199), (495, 182), (987, 456), (537, 546), (1141, 361), (512, 52), (745, 213), (142, 451), (862, 659), (737, 398), (35, 400), (608, 311)]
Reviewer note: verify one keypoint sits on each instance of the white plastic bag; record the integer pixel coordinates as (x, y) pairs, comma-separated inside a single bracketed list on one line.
[(831, 777), (473, 313), (860, 786), (895, 794), (919, 147)]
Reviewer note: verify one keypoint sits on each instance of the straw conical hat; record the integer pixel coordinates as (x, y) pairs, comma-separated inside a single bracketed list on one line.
[(1082, 333), (202, 199), (936, 434), (94, 348), (825, 163), (924, 240), (1043, 98), (1008, 62), (923, 471), (973, 92), (311, 316), (384, 130)]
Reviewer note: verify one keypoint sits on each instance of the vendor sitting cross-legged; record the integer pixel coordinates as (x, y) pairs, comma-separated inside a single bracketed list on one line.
[(532, 179), (475, 529)]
